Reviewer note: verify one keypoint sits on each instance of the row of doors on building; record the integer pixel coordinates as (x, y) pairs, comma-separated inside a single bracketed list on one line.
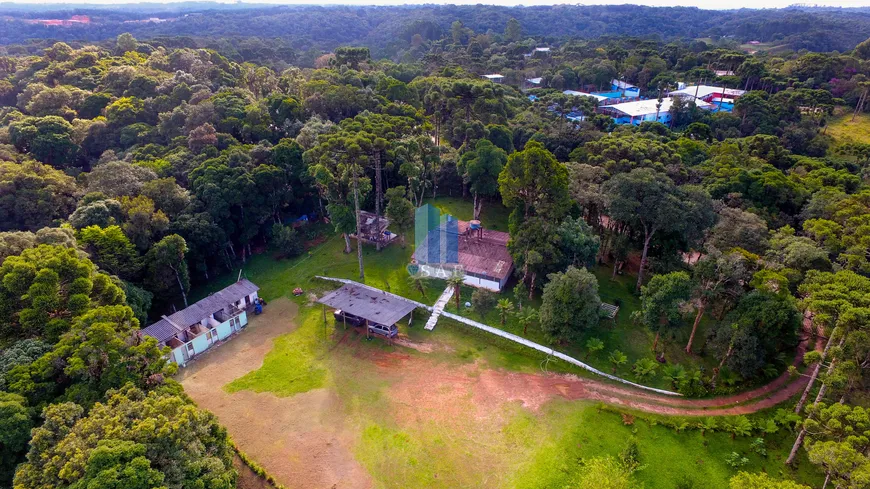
[(212, 337)]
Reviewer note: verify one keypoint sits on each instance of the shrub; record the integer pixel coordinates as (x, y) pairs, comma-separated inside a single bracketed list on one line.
[(286, 240), (645, 367), (738, 426), (617, 358), (675, 373), (630, 455), (735, 460), (692, 385), (482, 301), (759, 447), (594, 345), (709, 424), (767, 426)]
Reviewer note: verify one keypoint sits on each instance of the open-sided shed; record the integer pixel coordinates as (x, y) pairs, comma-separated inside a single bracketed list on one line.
[(381, 308)]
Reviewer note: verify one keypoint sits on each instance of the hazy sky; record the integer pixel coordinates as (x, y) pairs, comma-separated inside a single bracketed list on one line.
[(708, 4)]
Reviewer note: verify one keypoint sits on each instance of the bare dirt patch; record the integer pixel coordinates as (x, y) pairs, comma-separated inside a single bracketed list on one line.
[(421, 347), (300, 440)]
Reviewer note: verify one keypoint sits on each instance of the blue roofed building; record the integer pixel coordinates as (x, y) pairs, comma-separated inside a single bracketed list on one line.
[(643, 111)]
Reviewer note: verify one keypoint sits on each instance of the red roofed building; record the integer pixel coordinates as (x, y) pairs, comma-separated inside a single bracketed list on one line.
[(482, 255)]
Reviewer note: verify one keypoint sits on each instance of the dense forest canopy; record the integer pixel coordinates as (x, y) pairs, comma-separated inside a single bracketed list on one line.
[(383, 29), (134, 167)]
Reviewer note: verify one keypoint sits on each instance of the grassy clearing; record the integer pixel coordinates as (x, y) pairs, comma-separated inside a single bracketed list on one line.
[(387, 270), (470, 453), (518, 447), (764, 47), (278, 278), (547, 449), (294, 365), (689, 459), (843, 130), (619, 334)]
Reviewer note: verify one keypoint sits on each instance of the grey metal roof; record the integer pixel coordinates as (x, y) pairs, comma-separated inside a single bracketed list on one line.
[(169, 326), (162, 330), (374, 306)]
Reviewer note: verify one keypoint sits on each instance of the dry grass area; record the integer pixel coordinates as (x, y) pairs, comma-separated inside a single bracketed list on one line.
[(844, 130), (298, 439)]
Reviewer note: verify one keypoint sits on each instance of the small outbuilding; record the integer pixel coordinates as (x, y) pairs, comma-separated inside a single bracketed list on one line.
[(373, 306), (599, 99), (373, 229), (542, 51)]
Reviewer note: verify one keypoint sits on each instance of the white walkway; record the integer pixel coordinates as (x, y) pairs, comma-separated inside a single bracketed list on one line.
[(438, 308), (511, 337)]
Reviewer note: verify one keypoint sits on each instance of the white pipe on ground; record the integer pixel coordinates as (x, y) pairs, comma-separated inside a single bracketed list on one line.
[(514, 338)]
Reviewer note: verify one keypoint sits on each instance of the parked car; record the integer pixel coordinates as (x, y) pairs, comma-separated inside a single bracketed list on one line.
[(341, 317), (385, 331)]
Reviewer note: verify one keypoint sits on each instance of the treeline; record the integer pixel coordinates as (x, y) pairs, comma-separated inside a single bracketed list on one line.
[(379, 27), (130, 171)]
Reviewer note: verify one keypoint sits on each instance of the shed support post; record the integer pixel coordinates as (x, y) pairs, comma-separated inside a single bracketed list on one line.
[(324, 313), (410, 319)]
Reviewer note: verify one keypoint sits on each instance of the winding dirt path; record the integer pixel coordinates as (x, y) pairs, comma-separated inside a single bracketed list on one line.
[(777, 391)]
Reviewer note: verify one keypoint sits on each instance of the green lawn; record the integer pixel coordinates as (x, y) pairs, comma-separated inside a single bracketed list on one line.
[(689, 459), (619, 334), (294, 365), (387, 270), (384, 269)]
